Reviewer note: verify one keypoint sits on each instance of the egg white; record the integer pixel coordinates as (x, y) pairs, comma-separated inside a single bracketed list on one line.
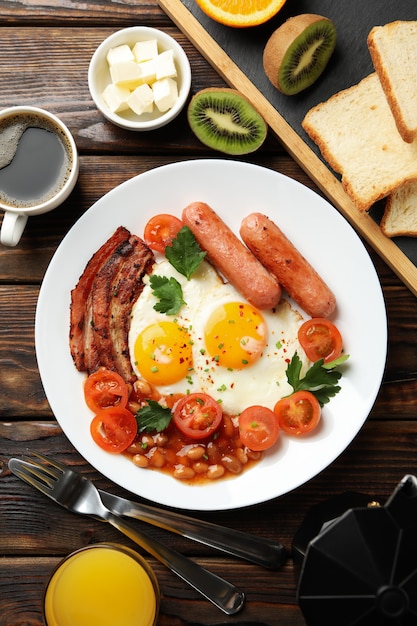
[(143, 312), (264, 382)]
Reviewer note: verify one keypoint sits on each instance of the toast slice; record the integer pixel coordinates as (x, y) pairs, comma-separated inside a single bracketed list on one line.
[(393, 49), (357, 135), (400, 215)]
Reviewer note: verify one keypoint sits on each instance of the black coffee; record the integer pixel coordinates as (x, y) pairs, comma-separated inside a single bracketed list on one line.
[(35, 160)]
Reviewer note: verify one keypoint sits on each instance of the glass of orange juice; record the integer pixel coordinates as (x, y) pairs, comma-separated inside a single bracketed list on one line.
[(101, 585)]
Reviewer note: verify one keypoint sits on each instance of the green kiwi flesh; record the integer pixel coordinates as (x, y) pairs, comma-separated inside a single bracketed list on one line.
[(298, 52), (224, 120)]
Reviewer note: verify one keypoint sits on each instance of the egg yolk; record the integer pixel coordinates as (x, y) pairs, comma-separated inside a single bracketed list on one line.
[(163, 353), (235, 335)]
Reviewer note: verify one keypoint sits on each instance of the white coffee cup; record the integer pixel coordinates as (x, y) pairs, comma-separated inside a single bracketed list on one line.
[(33, 144)]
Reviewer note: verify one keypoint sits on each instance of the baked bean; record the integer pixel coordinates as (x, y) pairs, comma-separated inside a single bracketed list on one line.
[(253, 455), (156, 458), (219, 456), (147, 441), (213, 453), (140, 460), (196, 453), (143, 388), (200, 467), (184, 473), (136, 448), (242, 455), (215, 471), (133, 406), (228, 428), (232, 464), (161, 440)]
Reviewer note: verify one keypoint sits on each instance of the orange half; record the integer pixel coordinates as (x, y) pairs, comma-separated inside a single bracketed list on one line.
[(241, 13)]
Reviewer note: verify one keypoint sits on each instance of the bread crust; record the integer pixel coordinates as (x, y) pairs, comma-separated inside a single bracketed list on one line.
[(356, 134), (400, 214), (383, 48)]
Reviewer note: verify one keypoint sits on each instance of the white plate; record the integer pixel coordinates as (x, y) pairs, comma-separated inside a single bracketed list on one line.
[(233, 189)]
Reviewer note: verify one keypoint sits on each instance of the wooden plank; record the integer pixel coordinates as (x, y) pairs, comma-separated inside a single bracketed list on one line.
[(297, 148), (91, 12)]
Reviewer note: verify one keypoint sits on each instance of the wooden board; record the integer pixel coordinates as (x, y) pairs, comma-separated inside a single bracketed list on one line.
[(237, 55)]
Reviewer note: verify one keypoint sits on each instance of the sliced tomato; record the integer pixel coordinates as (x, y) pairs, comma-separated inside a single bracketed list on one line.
[(197, 415), (114, 429), (258, 428), (320, 339), (298, 413), (161, 230), (104, 389)]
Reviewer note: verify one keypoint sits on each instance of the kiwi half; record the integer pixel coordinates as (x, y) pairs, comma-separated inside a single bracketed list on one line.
[(298, 51), (224, 120)]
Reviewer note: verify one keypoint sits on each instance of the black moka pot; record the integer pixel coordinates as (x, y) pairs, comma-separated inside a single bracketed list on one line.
[(356, 561)]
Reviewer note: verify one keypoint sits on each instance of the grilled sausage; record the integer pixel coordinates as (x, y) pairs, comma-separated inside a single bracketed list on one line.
[(226, 251), (286, 263)]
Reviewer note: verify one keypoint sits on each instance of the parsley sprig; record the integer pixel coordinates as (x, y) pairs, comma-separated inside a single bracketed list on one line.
[(153, 417), (320, 379), (169, 294), (185, 253)]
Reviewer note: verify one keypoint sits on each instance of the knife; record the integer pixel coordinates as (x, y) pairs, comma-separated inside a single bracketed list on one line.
[(252, 548)]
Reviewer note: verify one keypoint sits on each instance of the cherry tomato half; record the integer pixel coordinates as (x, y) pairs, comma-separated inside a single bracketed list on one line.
[(104, 389), (258, 428), (114, 429), (197, 415), (298, 413), (161, 230), (320, 339)]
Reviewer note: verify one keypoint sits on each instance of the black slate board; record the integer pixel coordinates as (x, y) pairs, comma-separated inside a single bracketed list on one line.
[(349, 64)]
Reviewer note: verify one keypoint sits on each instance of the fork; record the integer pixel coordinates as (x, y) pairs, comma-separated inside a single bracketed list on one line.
[(252, 548), (79, 495)]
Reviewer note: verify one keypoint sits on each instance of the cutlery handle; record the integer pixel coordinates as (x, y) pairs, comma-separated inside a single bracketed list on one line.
[(249, 547), (220, 592)]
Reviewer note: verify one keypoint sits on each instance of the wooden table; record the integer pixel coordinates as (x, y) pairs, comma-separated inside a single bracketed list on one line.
[(44, 54)]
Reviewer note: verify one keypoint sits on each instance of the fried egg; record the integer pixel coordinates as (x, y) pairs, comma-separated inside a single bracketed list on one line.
[(161, 345), (218, 343)]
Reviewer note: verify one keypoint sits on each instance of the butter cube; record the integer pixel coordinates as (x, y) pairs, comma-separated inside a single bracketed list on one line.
[(116, 98), (165, 65), (141, 100), (120, 54), (165, 93), (125, 74), (147, 71), (145, 50)]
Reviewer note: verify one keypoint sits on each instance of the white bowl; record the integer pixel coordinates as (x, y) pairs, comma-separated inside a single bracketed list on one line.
[(99, 78)]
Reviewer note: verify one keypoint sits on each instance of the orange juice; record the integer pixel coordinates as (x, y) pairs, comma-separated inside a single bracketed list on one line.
[(102, 585)]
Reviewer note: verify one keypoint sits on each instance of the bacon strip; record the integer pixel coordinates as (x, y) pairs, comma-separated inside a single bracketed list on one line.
[(91, 356), (102, 301), (116, 288), (101, 297), (80, 294), (127, 289)]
